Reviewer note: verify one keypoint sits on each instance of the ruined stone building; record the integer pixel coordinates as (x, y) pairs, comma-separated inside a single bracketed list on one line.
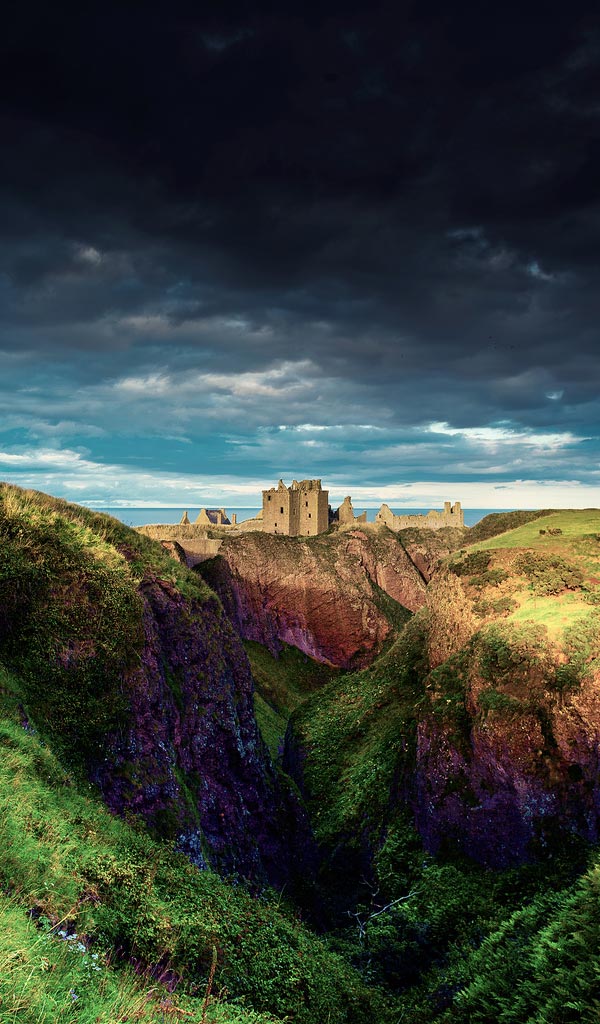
[(301, 510), (345, 514), (452, 515), (210, 517)]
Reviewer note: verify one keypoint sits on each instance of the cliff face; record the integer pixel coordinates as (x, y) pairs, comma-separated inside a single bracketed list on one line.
[(507, 754), (322, 595), (129, 667), (190, 760), (482, 720), (507, 759)]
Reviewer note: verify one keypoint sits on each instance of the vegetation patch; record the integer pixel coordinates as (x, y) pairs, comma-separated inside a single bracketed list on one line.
[(519, 657), (73, 866), (493, 700), (549, 574)]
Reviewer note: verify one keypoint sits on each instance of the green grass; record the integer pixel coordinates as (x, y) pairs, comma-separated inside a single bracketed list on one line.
[(499, 522), (64, 855), (22, 513), (354, 731), (574, 523), (285, 682), (71, 624), (282, 684), (272, 725), (47, 977), (556, 613), (572, 554)]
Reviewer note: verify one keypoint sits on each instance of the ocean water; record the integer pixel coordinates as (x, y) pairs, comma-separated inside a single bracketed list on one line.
[(144, 516)]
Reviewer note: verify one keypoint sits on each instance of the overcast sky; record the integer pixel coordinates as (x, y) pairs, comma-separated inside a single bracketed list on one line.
[(361, 245)]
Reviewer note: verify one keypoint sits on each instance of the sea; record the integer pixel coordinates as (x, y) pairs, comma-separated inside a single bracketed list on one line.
[(146, 516)]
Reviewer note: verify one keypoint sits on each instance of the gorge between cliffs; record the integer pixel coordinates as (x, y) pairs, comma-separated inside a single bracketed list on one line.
[(353, 777)]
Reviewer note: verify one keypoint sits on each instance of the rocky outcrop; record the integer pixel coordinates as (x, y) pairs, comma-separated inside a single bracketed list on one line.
[(190, 760), (426, 548), (323, 595), (505, 786)]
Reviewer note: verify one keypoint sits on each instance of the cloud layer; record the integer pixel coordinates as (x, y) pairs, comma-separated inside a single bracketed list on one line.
[(356, 245)]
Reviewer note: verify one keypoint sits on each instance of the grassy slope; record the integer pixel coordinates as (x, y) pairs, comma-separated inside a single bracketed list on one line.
[(577, 544), (499, 522), (66, 857), (282, 684), (70, 612)]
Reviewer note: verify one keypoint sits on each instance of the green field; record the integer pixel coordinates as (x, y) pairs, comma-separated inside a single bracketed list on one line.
[(574, 524)]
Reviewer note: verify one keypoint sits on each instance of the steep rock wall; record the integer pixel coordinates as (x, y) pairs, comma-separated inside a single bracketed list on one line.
[(190, 760), (506, 785), (321, 595)]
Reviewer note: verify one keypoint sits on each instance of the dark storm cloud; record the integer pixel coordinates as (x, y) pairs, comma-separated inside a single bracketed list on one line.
[(401, 201)]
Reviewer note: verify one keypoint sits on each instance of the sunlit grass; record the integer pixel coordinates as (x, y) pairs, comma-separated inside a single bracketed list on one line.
[(556, 613), (574, 523)]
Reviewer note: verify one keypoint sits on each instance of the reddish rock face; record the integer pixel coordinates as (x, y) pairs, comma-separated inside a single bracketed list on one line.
[(511, 762), (321, 595)]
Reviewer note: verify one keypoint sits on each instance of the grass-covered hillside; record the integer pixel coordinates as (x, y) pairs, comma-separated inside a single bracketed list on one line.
[(96, 915)]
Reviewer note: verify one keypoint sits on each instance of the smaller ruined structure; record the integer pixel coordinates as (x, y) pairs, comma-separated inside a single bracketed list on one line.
[(452, 515), (215, 517), (344, 515), (301, 510)]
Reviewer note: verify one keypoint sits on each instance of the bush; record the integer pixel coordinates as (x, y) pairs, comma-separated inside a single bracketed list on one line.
[(515, 654), (549, 574), (472, 564)]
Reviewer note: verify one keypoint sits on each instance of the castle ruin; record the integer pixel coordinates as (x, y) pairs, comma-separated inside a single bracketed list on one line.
[(301, 510)]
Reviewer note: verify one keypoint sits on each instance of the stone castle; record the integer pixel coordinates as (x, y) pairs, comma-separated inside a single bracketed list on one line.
[(301, 510)]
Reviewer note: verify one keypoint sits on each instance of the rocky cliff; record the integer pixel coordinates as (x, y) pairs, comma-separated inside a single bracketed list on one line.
[(328, 595), (127, 664), (483, 720)]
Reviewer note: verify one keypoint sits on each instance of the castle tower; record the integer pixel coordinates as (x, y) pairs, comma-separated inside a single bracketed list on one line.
[(299, 510)]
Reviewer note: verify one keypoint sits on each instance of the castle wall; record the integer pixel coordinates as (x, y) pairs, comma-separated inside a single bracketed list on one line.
[(452, 515), (313, 512), (345, 514), (192, 538), (278, 514)]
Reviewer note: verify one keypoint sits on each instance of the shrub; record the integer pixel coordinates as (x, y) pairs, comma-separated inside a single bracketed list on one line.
[(518, 655), (472, 564), (549, 574)]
